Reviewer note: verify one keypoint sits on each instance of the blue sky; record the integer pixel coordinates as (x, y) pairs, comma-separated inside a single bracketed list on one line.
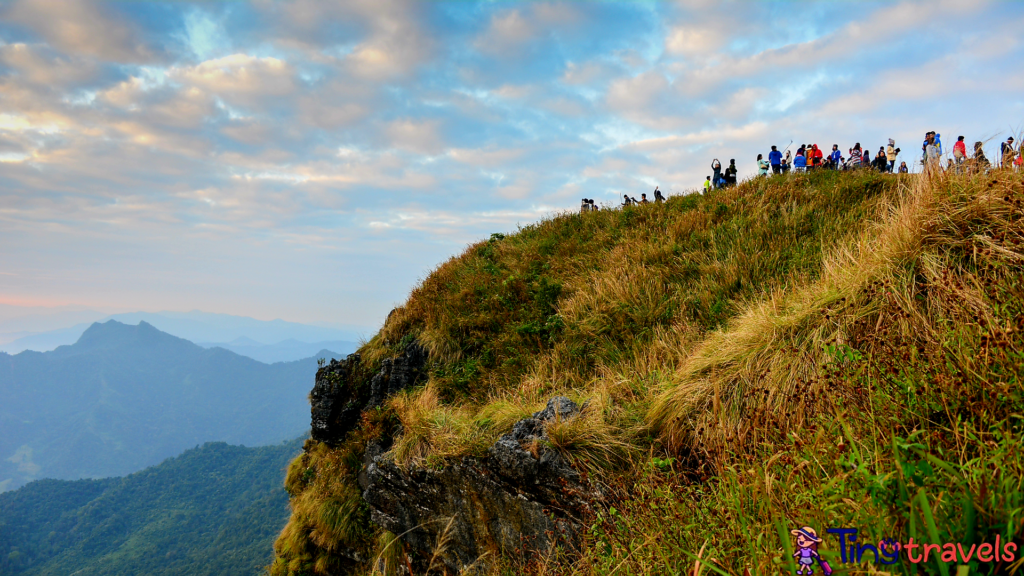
[(311, 161)]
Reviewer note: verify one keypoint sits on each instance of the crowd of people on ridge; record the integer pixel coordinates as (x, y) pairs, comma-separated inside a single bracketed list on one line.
[(811, 157)]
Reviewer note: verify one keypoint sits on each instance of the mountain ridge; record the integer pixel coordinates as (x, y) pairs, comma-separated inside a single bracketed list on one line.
[(124, 397)]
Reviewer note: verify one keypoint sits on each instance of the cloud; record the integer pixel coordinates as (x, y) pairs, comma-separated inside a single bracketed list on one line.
[(258, 156), (80, 27)]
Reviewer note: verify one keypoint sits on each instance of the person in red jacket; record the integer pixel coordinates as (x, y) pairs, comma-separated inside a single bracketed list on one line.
[(959, 152), (818, 156)]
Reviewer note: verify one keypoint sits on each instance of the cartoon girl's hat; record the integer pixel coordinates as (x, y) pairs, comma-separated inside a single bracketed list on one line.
[(808, 532)]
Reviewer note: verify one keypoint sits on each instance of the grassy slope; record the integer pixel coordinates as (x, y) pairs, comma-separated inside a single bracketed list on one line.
[(800, 350)]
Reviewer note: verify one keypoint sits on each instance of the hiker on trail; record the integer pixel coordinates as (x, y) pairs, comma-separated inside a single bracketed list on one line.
[(707, 185), (626, 201), (775, 159), (817, 156), (657, 195), (959, 151), (924, 146), (730, 173), (800, 161), (836, 157), (787, 162), (593, 207), (643, 199), (980, 162), (903, 168), (938, 143), (1007, 153), (716, 169), (762, 166), (584, 206)]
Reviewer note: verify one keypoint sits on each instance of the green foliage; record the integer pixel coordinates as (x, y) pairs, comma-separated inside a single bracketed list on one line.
[(213, 510)]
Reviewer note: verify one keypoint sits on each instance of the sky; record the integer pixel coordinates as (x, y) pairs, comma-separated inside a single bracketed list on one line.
[(312, 161)]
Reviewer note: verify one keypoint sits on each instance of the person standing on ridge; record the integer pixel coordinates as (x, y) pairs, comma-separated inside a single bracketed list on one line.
[(855, 156), (716, 170), (959, 152), (644, 200), (836, 157), (707, 185), (880, 162), (800, 161), (818, 156), (730, 173), (657, 195), (762, 166), (787, 162), (1006, 153), (980, 161), (890, 155), (584, 206), (931, 153), (775, 159)]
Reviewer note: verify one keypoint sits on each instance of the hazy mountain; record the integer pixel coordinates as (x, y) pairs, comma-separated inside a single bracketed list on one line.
[(213, 510), (125, 397), (285, 351)]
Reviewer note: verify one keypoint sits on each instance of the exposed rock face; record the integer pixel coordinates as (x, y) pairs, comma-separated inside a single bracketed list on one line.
[(521, 499), (338, 397)]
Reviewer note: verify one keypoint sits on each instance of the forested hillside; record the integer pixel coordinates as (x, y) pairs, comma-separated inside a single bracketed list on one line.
[(213, 511)]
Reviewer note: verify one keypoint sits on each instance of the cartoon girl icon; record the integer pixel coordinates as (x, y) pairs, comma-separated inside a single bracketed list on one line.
[(807, 550)]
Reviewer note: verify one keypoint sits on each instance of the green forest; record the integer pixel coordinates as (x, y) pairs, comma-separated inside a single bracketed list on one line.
[(214, 510)]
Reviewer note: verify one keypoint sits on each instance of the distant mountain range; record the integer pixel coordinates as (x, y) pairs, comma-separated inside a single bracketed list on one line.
[(284, 351), (214, 510), (266, 341), (125, 397)]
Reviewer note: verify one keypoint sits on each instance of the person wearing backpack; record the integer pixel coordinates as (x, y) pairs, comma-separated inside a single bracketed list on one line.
[(1006, 153), (730, 173)]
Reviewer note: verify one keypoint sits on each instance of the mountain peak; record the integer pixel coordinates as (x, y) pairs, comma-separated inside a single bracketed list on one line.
[(114, 334)]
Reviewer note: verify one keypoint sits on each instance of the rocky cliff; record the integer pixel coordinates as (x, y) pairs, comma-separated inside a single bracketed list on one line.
[(522, 498)]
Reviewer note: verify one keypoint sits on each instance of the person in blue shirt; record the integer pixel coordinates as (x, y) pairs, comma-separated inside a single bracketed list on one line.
[(836, 157), (775, 159), (800, 161)]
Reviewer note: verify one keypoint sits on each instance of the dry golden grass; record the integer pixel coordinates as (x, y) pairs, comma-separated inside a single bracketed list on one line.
[(777, 346), (713, 329)]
